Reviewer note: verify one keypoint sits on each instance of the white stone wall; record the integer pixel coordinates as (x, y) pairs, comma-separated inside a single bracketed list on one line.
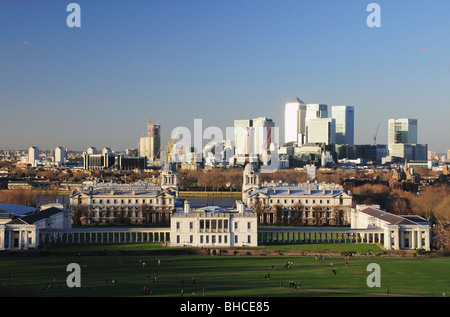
[(213, 229)]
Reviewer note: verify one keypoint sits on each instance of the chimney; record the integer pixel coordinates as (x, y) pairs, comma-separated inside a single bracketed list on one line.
[(240, 206), (187, 206)]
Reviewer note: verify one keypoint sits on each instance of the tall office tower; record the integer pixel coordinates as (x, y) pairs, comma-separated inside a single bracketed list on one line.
[(243, 142), (402, 140), (263, 134), (254, 136), (150, 145), (33, 156), (294, 121), (106, 150), (321, 130), (402, 131), (60, 154), (91, 150), (315, 111), (345, 121)]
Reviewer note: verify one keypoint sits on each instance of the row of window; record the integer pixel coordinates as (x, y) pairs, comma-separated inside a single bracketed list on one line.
[(219, 239), (213, 224), (132, 201), (299, 201)]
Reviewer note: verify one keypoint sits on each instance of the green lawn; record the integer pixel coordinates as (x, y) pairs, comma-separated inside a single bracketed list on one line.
[(222, 276), (354, 247)]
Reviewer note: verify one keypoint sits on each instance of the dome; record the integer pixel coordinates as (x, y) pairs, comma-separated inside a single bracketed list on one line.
[(250, 167), (168, 167)]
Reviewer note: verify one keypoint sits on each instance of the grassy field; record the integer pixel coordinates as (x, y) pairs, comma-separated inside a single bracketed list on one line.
[(363, 247), (221, 276)]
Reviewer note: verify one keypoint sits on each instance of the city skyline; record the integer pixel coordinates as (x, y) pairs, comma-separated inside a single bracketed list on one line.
[(218, 61)]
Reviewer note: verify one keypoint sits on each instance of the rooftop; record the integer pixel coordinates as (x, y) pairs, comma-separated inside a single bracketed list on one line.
[(107, 188), (17, 210), (306, 189), (394, 219)]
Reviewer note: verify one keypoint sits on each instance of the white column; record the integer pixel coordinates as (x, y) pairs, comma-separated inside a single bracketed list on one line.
[(396, 239), (418, 239), (427, 240)]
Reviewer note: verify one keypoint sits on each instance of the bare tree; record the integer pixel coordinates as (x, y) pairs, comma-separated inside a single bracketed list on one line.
[(259, 208), (147, 212), (80, 214)]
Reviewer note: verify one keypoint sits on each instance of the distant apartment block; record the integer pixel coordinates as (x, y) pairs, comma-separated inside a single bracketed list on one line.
[(33, 156), (60, 155), (98, 161)]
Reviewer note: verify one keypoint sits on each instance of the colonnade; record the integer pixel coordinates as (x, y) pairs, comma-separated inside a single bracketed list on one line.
[(123, 235), (395, 239), (21, 237), (293, 235)]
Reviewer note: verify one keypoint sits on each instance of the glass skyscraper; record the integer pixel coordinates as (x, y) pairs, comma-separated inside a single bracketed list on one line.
[(345, 124), (402, 131)]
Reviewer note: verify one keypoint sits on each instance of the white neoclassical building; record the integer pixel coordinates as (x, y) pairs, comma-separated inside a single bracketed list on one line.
[(138, 202), (306, 203), (214, 226), (398, 232), (21, 231)]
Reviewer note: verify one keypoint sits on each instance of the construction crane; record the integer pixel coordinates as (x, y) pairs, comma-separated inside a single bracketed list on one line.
[(375, 136), (149, 126), (169, 146)]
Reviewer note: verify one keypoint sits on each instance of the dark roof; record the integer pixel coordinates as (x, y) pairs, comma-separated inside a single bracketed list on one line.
[(16, 209), (39, 215), (393, 219), (17, 221), (417, 219), (6, 215)]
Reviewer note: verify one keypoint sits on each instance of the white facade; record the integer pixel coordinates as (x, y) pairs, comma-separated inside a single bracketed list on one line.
[(33, 156), (406, 232), (107, 201), (263, 134), (242, 131), (402, 131), (213, 226), (297, 116), (294, 121), (321, 130), (329, 198), (345, 121), (314, 111), (22, 232), (253, 137), (91, 150), (60, 154)]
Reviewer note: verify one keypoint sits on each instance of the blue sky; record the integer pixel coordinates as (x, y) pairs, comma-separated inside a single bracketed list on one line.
[(217, 60)]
